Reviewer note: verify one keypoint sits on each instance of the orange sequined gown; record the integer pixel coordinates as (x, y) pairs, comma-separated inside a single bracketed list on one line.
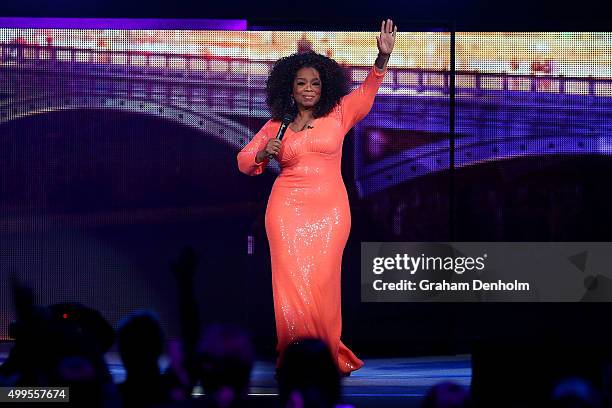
[(308, 221)]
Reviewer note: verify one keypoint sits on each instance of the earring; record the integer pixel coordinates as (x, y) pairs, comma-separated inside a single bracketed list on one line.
[(292, 101)]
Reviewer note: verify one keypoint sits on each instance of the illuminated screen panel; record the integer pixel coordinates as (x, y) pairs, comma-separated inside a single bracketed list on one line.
[(402, 148), (110, 143), (533, 131), (411, 115), (117, 148)]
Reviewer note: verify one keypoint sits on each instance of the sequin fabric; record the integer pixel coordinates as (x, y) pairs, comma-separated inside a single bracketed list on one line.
[(308, 222)]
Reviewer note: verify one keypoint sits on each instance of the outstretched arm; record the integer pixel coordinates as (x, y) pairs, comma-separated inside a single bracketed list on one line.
[(356, 105)]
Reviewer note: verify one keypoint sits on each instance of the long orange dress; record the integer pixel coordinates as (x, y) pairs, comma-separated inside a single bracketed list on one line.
[(308, 221)]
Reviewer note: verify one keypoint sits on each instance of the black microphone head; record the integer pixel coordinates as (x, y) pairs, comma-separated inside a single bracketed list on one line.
[(288, 118)]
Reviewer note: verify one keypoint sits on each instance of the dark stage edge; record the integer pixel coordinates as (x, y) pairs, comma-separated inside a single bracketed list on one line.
[(389, 382)]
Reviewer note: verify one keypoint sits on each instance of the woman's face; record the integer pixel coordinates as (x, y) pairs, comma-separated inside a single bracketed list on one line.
[(307, 87)]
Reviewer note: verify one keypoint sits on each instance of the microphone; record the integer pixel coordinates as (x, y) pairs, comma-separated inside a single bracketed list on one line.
[(287, 119)]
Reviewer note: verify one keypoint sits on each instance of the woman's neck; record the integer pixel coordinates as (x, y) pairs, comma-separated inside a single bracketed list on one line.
[(302, 120), (304, 114)]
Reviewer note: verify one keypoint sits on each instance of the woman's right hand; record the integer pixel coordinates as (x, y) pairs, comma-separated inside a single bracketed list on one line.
[(272, 148)]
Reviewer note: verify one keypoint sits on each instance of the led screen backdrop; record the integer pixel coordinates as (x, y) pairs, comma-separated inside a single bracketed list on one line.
[(118, 147), (533, 136), (532, 94)]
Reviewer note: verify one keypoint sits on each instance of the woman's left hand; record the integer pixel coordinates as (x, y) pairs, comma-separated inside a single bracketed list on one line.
[(386, 40)]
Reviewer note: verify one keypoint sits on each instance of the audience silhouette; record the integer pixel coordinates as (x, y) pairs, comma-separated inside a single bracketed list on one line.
[(65, 344)]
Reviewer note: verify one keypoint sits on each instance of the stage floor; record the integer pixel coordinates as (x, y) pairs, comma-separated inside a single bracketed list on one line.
[(392, 382)]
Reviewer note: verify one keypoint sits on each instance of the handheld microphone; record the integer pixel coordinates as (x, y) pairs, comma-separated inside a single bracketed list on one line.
[(287, 119)]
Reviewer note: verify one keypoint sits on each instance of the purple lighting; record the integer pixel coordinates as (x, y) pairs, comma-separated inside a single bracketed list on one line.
[(122, 23)]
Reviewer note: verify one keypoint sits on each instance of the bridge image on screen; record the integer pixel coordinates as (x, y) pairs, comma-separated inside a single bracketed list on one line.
[(516, 93)]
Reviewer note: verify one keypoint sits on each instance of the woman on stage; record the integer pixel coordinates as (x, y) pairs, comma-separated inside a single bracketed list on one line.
[(308, 216)]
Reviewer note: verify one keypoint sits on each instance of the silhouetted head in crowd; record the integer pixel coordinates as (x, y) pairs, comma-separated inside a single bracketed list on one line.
[(141, 343), (447, 394), (226, 359), (96, 332), (575, 393), (82, 336), (308, 376)]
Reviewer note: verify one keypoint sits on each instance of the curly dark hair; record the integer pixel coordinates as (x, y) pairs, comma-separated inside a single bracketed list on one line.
[(279, 87)]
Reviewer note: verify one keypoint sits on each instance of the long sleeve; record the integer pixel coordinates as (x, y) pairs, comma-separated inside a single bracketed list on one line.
[(246, 157), (357, 104)]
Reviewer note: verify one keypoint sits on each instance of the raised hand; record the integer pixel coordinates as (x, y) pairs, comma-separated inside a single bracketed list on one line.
[(386, 40)]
